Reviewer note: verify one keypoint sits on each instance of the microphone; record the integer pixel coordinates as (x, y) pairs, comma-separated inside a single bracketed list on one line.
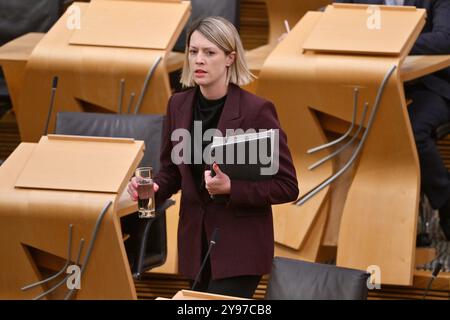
[(212, 242), (121, 90), (434, 274), (52, 102)]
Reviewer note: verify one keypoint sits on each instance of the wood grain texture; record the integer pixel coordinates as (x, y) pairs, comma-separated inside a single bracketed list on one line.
[(277, 12), (14, 56), (89, 76), (334, 34), (415, 67), (37, 220), (104, 24), (81, 164), (379, 214)]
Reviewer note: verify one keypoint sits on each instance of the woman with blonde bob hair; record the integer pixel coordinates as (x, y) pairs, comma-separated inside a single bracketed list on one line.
[(224, 35), (240, 212)]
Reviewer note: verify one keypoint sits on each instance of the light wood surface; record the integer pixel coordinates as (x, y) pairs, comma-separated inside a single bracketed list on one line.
[(14, 56), (104, 25), (89, 76), (333, 34), (290, 10), (278, 11), (81, 163), (425, 255), (175, 61), (379, 211), (20, 48), (417, 66), (34, 232), (256, 57)]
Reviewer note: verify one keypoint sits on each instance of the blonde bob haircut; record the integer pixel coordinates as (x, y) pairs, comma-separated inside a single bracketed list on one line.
[(224, 35)]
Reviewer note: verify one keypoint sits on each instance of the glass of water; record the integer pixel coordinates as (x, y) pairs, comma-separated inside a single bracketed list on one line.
[(146, 194)]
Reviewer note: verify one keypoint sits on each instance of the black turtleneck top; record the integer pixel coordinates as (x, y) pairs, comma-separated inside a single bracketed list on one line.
[(208, 112)]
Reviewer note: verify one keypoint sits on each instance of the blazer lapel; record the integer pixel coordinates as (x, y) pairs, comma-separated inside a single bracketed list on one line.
[(231, 113), (184, 120), (185, 111), (229, 119)]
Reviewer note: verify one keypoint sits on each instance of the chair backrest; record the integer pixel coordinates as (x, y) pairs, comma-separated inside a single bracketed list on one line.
[(149, 235), (144, 127), (299, 280), (228, 9)]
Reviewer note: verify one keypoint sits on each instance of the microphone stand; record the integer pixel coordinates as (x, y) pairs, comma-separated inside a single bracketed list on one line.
[(212, 242), (436, 270), (52, 102)]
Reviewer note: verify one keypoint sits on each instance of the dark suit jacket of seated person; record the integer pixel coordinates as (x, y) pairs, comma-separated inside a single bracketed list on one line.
[(430, 103), (246, 237)]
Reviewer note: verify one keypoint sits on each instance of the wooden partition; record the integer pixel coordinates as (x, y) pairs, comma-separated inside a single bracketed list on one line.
[(278, 11), (91, 48), (36, 212), (311, 77)]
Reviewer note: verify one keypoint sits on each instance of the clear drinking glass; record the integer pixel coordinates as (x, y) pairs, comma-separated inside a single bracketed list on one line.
[(146, 195)]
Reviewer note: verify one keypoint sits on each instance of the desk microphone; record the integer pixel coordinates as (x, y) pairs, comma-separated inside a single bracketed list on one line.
[(52, 102), (212, 242), (436, 270)]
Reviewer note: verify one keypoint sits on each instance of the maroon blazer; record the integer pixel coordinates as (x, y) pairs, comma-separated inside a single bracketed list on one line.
[(246, 241)]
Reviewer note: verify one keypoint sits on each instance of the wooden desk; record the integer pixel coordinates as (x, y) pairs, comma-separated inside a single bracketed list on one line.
[(175, 61), (15, 54), (418, 66), (278, 11), (413, 67), (34, 232), (374, 215), (20, 48), (90, 75), (13, 59)]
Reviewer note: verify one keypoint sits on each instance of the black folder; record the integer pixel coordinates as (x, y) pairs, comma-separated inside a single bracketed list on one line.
[(242, 157)]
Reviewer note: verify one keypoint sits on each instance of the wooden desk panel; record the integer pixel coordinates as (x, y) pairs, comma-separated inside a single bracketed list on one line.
[(39, 219), (379, 214)]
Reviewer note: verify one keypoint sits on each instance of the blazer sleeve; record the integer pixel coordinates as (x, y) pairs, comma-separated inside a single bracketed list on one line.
[(168, 178), (437, 41), (282, 187)]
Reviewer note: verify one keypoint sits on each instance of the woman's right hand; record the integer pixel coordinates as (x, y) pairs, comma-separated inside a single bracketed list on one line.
[(132, 188)]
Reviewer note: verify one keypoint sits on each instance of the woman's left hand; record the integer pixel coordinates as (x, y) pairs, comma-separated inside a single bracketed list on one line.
[(219, 184)]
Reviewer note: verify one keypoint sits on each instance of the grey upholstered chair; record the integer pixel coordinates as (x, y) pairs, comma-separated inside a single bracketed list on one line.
[(147, 246), (299, 280)]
